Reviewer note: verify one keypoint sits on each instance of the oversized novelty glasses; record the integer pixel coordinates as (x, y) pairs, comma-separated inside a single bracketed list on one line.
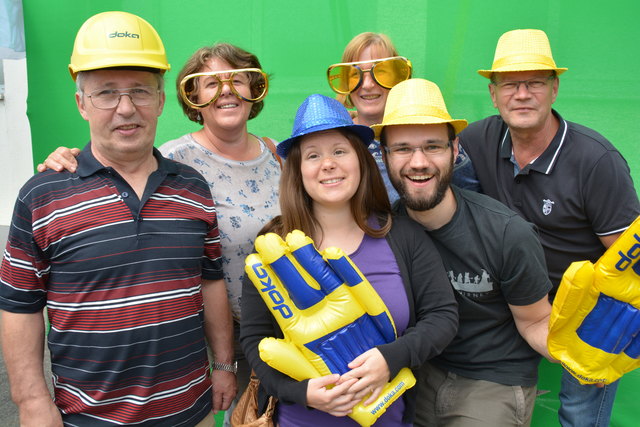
[(199, 90), (387, 72)]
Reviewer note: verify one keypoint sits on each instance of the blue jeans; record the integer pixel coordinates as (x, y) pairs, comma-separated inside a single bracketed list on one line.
[(585, 405)]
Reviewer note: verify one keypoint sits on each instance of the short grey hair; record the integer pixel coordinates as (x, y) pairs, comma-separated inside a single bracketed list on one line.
[(82, 75), (554, 75)]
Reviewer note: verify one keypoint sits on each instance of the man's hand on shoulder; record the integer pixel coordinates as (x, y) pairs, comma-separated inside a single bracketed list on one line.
[(61, 159)]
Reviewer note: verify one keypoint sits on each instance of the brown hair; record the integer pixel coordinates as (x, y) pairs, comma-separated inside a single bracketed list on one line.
[(296, 204), (235, 56), (451, 134), (354, 48)]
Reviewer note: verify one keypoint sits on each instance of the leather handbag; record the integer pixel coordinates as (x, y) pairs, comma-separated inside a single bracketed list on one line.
[(245, 414)]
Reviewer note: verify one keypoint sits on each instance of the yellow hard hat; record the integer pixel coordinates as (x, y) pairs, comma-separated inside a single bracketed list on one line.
[(117, 39)]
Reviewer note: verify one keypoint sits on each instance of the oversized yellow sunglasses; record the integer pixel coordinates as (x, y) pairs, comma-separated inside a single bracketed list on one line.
[(346, 77), (208, 86)]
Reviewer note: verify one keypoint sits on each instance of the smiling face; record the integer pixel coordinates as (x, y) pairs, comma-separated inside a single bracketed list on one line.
[(422, 180), (370, 98), (330, 169), (525, 110), (126, 130), (228, 111)]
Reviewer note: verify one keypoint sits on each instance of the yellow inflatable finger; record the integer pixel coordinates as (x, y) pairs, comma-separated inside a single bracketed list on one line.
[(328, 312), (594, 328)]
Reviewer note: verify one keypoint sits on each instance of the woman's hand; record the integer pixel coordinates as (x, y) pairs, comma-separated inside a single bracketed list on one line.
[(337, 401), (372, 374), (61, 159)]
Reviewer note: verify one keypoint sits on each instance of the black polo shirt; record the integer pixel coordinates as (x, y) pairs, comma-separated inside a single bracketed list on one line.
[(578, 189)]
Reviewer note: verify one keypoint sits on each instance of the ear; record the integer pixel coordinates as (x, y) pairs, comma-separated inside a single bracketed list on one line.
[(456, 148), (385, 158), (554, 89), (163, 98), (81, 106), (492, 92)]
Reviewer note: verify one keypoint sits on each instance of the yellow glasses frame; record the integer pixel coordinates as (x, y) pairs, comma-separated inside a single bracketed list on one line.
[(184, 94), (361, 72)]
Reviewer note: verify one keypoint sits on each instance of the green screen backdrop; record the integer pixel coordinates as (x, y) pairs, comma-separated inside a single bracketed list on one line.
[(447, 41)]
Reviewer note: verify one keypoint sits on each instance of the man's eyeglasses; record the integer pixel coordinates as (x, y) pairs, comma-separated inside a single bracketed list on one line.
[(347, 77), (536, 85), (107, 99), (247, 84), (404, 151)]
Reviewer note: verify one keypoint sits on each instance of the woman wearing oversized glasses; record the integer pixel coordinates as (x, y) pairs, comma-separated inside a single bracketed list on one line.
[(370, 67), (221, 87)]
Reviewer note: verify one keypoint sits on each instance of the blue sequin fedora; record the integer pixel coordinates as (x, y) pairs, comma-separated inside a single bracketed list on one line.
[(317, 113)]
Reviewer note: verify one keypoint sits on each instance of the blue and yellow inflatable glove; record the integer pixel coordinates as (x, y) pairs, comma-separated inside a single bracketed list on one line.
[(594, 329), (328, 312)]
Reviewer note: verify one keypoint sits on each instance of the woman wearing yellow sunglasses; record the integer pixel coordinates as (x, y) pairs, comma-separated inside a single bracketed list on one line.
[(370, 67)]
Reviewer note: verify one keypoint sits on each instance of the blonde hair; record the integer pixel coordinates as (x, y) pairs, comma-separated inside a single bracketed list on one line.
[(354, 49)]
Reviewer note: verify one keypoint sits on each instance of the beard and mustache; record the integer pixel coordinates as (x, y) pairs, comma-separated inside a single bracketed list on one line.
[(421, 203)]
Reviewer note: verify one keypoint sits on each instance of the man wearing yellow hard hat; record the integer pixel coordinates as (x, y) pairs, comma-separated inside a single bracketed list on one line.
[(487, 376), (565, 178), (124, 254)]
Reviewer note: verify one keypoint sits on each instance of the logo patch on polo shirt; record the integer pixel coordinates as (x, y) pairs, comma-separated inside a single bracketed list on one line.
[(547, 205)]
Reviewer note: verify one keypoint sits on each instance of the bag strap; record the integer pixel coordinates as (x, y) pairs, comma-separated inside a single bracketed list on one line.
[(272, 147)]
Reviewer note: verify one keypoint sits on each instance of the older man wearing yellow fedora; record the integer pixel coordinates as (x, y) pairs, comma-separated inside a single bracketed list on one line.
[(487, 376), (563, 177)]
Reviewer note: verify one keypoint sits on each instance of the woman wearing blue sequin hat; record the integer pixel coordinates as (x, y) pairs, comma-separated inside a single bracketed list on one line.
[(331, 190)]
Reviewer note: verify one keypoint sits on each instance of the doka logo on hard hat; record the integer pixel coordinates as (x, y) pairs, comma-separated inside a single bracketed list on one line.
[(104, 41), (125, 34)]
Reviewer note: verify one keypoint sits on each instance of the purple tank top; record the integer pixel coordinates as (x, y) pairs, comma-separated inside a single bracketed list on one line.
[(377, 262)]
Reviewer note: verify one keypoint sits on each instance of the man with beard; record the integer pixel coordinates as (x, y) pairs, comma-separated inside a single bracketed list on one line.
[(488, 374)]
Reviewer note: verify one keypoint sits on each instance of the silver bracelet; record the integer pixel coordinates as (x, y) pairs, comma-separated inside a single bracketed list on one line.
[(229, 367)]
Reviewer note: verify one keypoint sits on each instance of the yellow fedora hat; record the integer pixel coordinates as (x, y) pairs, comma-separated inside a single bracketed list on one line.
[(522, 50), (416, 102)]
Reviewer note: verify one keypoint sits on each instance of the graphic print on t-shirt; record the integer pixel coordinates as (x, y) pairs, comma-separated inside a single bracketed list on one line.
[(471, 285)]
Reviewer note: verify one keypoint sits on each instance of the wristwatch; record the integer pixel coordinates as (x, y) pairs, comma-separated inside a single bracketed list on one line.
[(229, 367)]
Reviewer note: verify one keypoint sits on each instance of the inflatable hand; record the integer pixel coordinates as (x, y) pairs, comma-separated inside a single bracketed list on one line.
[(595, 320), (328, 312)]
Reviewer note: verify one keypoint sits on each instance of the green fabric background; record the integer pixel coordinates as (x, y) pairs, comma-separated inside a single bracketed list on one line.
[(447, 41)]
